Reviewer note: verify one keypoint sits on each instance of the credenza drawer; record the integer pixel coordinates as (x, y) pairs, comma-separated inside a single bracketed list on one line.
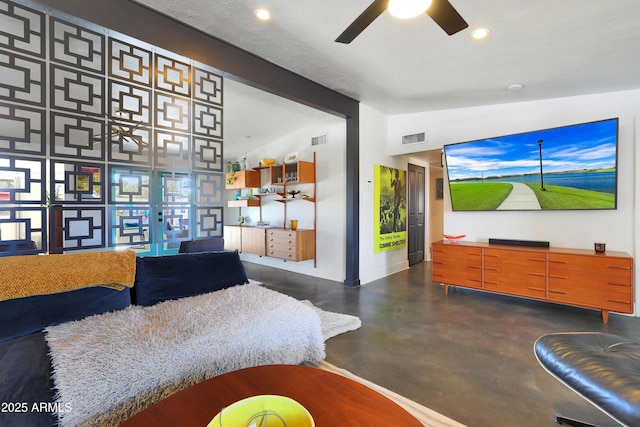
[(456, 251), (601, 299), (589, 280), (514, 276), (470, 279), (281, 247), (281, 254), (456, 263), (503, 256), (595, 263), (281, 234), (531, 289)]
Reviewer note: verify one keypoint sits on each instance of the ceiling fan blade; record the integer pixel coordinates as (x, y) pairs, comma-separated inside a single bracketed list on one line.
[(367, 17), (446, 16)]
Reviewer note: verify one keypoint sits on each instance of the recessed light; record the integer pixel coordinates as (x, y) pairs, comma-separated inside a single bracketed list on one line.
[(262, 14), (515, 87), (480, 33)]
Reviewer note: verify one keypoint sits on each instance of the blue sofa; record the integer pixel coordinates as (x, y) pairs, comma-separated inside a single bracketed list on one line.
[(26, 389)]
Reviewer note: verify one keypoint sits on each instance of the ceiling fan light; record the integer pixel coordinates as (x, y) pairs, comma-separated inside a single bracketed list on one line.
[(405, 9), (262, 14)]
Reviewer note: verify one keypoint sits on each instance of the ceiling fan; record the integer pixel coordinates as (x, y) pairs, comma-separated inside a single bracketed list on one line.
[(441, 11)]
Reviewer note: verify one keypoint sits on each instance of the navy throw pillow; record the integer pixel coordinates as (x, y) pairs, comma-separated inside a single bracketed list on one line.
[(23, 316), (169, 277), (214, 244)]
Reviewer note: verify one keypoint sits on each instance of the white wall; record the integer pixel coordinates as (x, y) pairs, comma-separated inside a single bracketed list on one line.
[(380, 143), (373, 145), (330, 194), (572, 229)]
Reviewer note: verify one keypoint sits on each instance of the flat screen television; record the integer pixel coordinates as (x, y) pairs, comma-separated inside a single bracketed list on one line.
[(564, 168)]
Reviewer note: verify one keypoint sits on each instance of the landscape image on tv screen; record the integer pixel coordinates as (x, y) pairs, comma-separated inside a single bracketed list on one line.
[(570, 167)]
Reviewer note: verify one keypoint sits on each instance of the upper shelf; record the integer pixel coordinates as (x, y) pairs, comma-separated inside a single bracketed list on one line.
[(242, 179), (300, 172)]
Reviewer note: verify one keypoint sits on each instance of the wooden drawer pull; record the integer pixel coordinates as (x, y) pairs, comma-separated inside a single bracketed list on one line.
[(625, 285), (553, 276), (491, 256), (536, 259), (492, 269), (617, 267), (535, 289), (558, 262), (617, 301), (535, 274), (492, 282), (558, 292)]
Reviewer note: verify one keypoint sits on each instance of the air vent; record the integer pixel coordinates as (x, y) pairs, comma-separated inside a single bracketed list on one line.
[(414, 138), (319, 140)]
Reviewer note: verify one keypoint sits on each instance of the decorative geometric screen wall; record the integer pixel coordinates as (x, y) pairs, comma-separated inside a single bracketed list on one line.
[(105, 141)]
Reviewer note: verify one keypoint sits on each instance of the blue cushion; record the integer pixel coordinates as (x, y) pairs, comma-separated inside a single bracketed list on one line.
[(168, 277), (213, 244), (25, 381), (23, 316)]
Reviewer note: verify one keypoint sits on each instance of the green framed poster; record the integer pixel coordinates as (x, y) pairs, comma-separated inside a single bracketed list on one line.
[(390, 208)]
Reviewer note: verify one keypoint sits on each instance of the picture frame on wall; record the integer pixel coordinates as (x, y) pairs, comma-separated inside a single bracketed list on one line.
[(390, 208)]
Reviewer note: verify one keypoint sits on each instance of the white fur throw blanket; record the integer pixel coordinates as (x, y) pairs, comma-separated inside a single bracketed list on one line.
[(108, 367)]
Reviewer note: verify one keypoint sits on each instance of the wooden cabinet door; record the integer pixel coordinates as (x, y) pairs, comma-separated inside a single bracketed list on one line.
[(232, 238), (253, 240), (242, 179)]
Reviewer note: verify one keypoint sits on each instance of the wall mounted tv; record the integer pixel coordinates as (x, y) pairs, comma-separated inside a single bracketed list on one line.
[(564, 168)]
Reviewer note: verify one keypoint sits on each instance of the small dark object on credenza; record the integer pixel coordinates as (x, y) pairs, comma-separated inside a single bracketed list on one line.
[(535, 243)]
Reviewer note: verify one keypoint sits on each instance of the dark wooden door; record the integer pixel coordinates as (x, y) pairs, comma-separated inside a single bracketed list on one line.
[(415, 229)]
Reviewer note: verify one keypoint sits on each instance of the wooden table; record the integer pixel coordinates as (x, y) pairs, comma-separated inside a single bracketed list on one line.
[(331, 399)]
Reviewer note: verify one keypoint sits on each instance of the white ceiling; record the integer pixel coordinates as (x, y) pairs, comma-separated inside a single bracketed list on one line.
[(553, 48)]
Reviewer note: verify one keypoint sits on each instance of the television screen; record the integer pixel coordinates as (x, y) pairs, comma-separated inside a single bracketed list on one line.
[(570, 167)]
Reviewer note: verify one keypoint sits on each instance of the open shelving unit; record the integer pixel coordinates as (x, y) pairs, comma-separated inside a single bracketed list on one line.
[(284, 243)]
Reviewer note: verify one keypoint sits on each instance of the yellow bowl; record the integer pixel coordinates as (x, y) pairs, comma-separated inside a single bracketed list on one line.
[(265, 411), (267, 162)]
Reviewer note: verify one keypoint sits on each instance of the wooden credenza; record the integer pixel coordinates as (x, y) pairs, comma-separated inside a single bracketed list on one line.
[(568, 276), (292, 245)]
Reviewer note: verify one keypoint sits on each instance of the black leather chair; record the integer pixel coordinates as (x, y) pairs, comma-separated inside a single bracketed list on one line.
[(602, 368)]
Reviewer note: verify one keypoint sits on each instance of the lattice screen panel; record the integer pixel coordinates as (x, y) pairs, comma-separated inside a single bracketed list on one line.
[(104, 140), (208, 221), (22, 129)]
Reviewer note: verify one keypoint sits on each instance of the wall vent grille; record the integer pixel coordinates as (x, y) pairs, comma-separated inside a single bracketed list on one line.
[(414, 138), (319, 140)]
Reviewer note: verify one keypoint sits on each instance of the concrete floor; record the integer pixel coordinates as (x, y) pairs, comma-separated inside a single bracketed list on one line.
[(468, 355)]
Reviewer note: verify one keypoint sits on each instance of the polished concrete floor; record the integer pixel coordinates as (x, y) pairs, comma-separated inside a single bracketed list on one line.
[(468, 354)]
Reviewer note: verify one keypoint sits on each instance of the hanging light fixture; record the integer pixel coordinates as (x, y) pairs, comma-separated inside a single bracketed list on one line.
[(405, 9)]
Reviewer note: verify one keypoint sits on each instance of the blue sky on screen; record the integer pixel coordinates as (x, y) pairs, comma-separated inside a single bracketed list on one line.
[(576, 147)]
